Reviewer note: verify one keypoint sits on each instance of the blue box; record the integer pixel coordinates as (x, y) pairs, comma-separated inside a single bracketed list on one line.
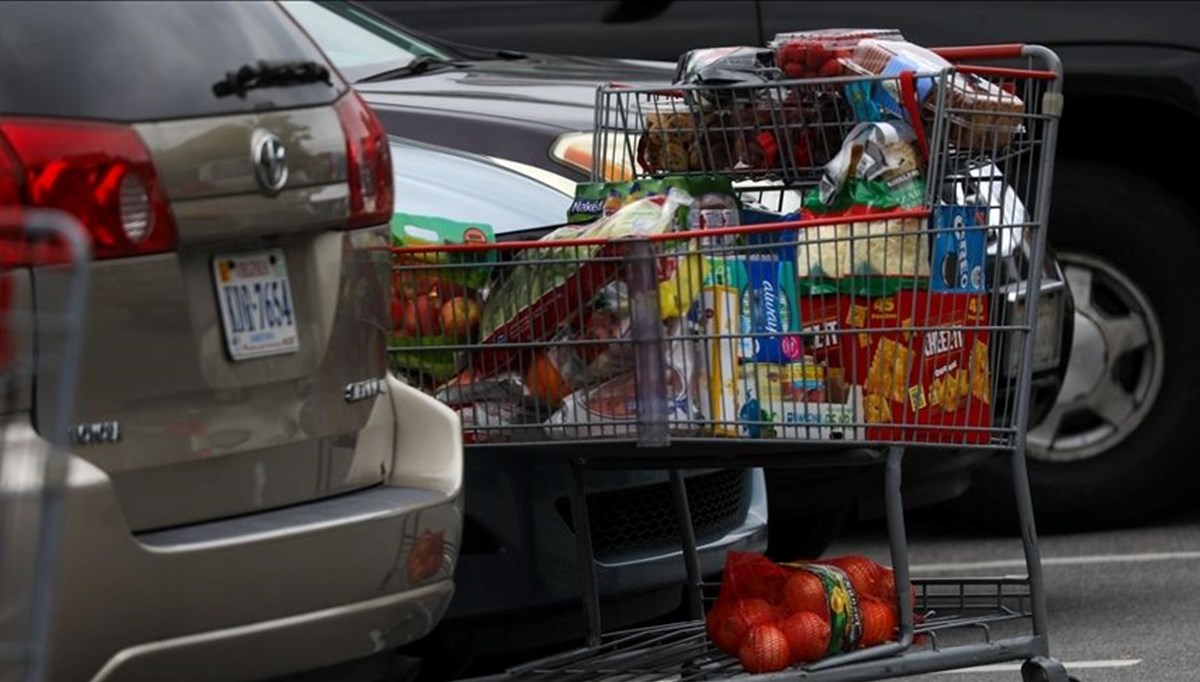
[(959, 252)]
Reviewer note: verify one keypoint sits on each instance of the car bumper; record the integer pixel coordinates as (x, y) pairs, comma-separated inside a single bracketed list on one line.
[(519, 564), (268, 593)]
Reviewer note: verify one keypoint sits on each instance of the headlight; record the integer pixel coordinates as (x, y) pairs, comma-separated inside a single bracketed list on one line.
[(578, 150)]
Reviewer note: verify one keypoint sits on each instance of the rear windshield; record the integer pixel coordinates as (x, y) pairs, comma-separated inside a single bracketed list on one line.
[(143, 61)]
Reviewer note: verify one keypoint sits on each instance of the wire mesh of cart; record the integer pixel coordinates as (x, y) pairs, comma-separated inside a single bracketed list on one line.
[(836, 318), (39, 348)]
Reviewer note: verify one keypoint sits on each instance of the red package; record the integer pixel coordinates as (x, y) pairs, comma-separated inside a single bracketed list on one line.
[(928, 379), (821, 319), (812, 54)]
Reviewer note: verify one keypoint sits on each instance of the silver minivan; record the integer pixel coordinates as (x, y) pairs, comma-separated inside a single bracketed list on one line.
[(250, 492)]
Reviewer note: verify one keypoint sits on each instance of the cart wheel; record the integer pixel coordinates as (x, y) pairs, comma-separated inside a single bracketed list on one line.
[(1041, 669)]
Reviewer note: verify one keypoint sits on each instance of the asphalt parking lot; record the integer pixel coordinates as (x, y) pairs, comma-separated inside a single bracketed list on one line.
[(1123, 605)]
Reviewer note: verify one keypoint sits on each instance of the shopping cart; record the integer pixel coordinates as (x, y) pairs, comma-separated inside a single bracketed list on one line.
[(39, 346), (834, 337)]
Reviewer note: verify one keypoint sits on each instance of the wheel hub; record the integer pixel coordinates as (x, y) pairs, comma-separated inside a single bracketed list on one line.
[(1115, 369)]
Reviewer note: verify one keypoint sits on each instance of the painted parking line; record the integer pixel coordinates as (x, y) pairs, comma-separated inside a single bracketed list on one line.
[(1071, 666), (1057, 561)]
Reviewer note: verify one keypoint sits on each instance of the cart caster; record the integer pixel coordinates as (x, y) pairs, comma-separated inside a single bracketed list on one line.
[(1041, 669)]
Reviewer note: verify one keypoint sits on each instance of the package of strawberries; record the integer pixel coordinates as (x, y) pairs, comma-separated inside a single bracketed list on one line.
[(771, 616)]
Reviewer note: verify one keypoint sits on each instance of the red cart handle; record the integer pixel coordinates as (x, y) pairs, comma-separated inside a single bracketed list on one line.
[(983, 52)]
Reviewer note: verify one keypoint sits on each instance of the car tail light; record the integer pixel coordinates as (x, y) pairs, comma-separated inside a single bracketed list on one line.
[(100, 173), (368, 163)]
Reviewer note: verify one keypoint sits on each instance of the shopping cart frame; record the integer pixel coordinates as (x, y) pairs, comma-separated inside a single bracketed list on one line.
[(64, 244), (654, 650)]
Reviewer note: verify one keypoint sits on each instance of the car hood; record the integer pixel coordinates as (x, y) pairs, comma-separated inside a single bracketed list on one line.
[(555, 91)]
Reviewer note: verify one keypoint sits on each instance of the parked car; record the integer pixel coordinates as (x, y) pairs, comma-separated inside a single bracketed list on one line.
[(253, 499), (517, 578), (1115, 448)]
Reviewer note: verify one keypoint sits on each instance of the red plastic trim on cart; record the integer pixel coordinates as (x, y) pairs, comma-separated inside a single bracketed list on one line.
[(908, 93), (917, 213)]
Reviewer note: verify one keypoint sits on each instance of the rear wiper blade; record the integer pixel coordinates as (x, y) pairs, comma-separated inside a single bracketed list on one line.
[(418, 65), (271, 75)]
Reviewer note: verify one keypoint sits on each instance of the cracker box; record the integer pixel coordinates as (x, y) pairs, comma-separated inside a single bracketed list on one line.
[(931, 379), (958, 250), (822, 326), (795, 401)]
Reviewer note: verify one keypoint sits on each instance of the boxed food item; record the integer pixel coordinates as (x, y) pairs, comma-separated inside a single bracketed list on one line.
[(796, 401), (718, 320), (937, 375), (767, 314), (468, 268), (821, 325), (717, 204), (985, 115), (810, 54), (959, 248)]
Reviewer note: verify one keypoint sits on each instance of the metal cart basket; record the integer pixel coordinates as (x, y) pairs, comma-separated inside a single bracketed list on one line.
[(833, 336), (33, 458)]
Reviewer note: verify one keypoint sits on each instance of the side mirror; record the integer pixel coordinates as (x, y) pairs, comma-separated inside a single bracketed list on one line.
[(630, 11)]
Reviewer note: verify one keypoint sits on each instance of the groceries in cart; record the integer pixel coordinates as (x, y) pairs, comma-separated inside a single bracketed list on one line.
[(434, 292), (772, 616), (783, 109)]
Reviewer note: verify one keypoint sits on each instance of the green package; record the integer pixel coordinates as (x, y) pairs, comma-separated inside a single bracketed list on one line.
[(594, 200), (843, 245), (462, 267)]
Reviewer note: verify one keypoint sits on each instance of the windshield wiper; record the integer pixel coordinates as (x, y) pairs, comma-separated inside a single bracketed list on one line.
[(270, 75), (418, 65)]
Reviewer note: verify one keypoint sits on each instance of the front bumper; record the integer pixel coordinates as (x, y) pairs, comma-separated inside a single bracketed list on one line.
[(263, 594), (519, 565)]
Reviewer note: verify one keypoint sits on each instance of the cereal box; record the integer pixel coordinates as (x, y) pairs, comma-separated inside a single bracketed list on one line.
[(938, 379)]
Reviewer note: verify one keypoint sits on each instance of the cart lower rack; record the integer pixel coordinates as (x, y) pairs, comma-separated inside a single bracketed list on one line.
[(895, 310)]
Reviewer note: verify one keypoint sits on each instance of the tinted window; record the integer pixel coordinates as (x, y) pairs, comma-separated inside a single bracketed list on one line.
[(358, 44), (137, 61)]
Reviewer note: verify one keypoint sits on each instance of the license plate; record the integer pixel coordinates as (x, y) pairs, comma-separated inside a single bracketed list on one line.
[(255, 297), (1048, 328)]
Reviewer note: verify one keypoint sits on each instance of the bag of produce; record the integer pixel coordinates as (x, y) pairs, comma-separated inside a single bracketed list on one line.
[(611, 410), (813, 54), (878, 170), (771, 616)]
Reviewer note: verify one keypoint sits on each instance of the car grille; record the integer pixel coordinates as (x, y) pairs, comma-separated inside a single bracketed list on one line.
[(643, 518)]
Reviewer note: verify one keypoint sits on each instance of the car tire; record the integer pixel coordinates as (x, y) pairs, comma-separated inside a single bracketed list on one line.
[(1126, 244)]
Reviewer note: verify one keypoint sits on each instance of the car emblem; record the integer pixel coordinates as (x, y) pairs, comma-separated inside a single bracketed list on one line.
[(270, 161)]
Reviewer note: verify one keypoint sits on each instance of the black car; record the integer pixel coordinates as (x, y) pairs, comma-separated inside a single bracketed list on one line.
[(1114, 448)]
